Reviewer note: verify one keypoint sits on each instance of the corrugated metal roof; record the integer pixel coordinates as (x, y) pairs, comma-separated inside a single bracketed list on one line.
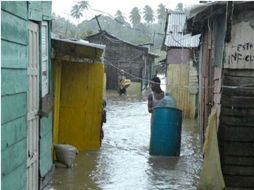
[(80, 42), (174, 34)]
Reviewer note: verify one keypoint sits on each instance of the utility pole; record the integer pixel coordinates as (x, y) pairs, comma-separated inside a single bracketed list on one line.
[(97, 20)]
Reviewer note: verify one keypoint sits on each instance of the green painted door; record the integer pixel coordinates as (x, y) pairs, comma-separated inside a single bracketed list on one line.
[(33, 108)]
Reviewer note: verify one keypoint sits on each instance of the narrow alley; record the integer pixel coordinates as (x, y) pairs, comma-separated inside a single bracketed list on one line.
[(123, 162)]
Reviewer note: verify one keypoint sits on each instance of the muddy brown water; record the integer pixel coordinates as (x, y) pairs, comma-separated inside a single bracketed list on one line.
[(123, 162)]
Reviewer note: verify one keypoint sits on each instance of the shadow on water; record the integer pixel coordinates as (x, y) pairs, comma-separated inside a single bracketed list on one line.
[(123, 162)]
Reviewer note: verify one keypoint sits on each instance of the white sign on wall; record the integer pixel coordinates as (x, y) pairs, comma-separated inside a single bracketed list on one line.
[(240, 50)]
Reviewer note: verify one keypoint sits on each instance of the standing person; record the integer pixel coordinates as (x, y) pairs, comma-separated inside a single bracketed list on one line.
[(156, 95), (103, 119), (121, 80)]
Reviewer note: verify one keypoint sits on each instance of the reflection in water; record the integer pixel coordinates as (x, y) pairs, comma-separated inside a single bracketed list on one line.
[(123, 161)]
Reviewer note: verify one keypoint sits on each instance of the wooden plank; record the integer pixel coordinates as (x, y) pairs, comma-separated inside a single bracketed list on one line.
[(13, 107), (239, 161), (13, 132), (217, 98), (19, 175), (238, 149), (238, 170), (239, 134), (35, 10), (237, 101), (46, 10), (13, 55), (217, 73), (13, 157), (246, 91), (248, 112), (239, 181), (13, 28), (46, 125), (18, 8), (238, 80), (13, 81), (46, 157), (239, 72), (237, 121), (217, 86), (244, 85)]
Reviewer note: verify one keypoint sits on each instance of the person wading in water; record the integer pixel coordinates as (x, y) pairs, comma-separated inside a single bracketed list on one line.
[(156, 95)]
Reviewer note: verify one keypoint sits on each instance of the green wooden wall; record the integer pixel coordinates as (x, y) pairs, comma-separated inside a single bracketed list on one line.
[(15, 16)]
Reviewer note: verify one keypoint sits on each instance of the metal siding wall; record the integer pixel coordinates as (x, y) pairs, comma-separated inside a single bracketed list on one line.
[(178, 83), (80, 105), (174, 34), (178, 56)]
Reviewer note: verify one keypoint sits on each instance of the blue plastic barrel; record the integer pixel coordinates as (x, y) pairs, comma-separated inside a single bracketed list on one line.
[(166, 127)]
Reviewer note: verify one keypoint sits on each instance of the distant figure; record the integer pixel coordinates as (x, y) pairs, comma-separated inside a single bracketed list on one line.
[(121, 83), (103, 119), (156, 95)]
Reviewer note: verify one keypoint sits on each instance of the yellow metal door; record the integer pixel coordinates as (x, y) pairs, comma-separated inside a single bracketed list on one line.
[(80, 105)]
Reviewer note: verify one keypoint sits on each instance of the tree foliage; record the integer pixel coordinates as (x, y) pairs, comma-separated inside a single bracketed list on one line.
[(119, 16), (76, 12), (83, 5), (161, 13), (135, 32), (77, 9), (148, 14), (135, 16)]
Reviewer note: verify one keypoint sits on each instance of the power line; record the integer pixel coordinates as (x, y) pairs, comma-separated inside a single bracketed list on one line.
[(142, 31), (242, 86)]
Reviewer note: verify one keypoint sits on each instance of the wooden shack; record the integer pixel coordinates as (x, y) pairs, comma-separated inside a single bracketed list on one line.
[(122, 55), (227, 83), (181, 63), (78, 92), (26, 125)]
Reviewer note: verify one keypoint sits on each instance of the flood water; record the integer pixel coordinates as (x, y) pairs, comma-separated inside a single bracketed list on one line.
[(123, 162)]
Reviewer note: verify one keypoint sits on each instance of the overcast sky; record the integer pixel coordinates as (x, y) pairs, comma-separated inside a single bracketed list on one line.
[(63, 8)]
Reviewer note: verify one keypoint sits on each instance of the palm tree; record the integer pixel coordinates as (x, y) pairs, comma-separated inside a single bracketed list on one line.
[(83, 5), (135, 16), (148, 14), (76, 12), (77, 9), (119, 17), (161, 13)]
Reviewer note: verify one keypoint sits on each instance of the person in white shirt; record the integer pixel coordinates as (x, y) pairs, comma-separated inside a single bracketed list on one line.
[(156, 95)]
